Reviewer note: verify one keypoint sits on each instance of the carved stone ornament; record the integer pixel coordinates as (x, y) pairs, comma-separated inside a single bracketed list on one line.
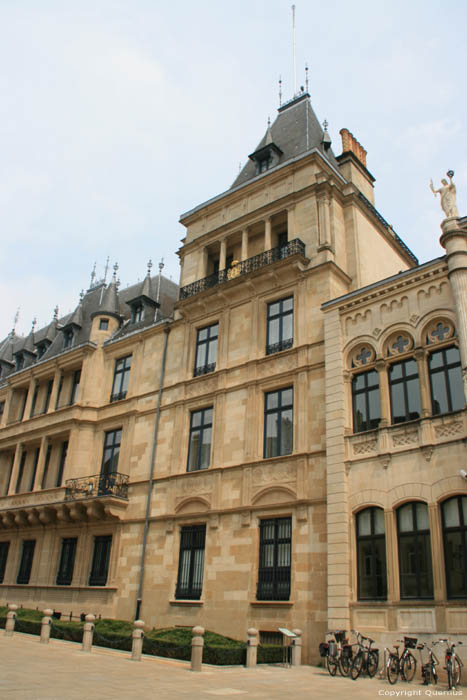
[(398, 344), (448, 195), (362, 355), (385, 460), (439, 330)]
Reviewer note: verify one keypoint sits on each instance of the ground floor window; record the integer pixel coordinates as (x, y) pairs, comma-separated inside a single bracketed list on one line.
[(371, 555), (4, 547), (454, 513), (415, 567), (100, 560), (67, 561), (191, 562), (25, 566), (274, 559)]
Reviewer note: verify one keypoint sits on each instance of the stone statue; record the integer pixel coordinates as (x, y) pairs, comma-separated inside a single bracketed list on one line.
[(448, 195)]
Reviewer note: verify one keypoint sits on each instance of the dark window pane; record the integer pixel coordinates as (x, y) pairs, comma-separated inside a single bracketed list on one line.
[(191, 562), (438, 393), (4, 547), (199, 448), (27, 556), (457, 388), (100, 560), (274, 559), (454, 513), (398, 403), (413, 395)]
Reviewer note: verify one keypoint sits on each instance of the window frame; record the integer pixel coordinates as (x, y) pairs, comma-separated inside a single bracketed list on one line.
[(204, 346), (276, 576), (444, 369), (192, 540), (121, 378), (278, 410), (462, 529), (100, 563), (66, 562), (417, 535), (282, 343), (27, 559), (4, 550), (365, 391), (112, 445), (75, 382), (371, 538), (203, 426), (404, 380)]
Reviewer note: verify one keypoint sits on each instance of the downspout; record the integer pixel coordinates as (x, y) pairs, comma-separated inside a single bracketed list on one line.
[(139, 598)]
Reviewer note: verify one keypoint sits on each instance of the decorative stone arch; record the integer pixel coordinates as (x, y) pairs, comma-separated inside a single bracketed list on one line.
[(195, 504), (409, 492), (437, 327), (448, 487), (397, 340), (360, 353), (367, 499), (272, 495)]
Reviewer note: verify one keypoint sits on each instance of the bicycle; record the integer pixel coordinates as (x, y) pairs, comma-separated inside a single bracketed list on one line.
[(365, 659), (338, 653), (453, 663), (404, 665), (429, 673)]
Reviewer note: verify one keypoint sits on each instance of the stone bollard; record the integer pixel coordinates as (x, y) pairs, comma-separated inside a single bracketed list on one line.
[(45, 627), (297, 648), (88, 633), (197, 644), (252, 648), (10, 619), (137, 644)]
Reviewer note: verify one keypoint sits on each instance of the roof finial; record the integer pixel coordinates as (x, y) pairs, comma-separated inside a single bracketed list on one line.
[(114, 276), (15, 322), (326, 138), (106, 269), (269, 122), (33, 325), (149, 267), (306, 76), (93, 276), (81, 296), (294, 56), (55, 318), (239, 166), (161, 267), (280, 91)]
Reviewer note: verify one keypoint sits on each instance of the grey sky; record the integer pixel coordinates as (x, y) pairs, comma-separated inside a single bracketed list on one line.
[(118, 116)]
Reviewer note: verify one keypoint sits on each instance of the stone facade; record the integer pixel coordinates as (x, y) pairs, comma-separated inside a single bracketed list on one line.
[(195, 463)]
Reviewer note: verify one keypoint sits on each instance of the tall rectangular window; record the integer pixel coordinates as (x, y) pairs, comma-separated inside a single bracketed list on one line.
[(67, 561), (121, 379), (279, 326), (365, 401), (404, 388), (199, 450), (111, 452), (48, 394), (415, 567), (19, 479), (8, 481), (371, 554), (23, 405), (446, 381), (34, 401), (34, 468), (275, 548), (4, 547), (75, 386), (61, 464), (206, 350), (46, 466), (190, 567), (59, 392), (100, 560), (27, 556), (278, 423)]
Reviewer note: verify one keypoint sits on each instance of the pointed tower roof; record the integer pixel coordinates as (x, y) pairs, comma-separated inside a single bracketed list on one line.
[(110, 305), (29, 342), (295, 131), (76, 318), (145, 291)]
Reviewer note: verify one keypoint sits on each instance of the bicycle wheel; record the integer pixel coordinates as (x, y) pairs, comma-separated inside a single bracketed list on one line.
[(331, 663), (454, 672), (357, 666), (372, 663), (408, 667), (344, 665), (392, 669)]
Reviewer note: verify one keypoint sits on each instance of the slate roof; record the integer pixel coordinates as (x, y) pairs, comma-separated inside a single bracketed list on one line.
[(295, 131)]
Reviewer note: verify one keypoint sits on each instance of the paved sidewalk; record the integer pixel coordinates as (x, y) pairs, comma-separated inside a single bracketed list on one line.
[(61, 671)]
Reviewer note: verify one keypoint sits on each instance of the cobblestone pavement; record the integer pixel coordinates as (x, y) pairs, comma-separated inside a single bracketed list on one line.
[(61, 671)]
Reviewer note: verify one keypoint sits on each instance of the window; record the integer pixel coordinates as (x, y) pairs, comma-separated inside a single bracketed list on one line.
[(455, 545), (34, 468), (7, 483), (137, 313), (199, 450), (104, 324), (206, 350), (278, 423), (371, 555), (46, 466), (34, 400), (21, 471), (75, 386), (2, 409), (100, 560), (61, 464), (405, 391), (23, 405), (4, 547), (416, 576), (121, 378), (279, 326), (112, 442), (59, 392), (67, 561), (67, 338), (27, 556), (48, 395), (446, 381), (274, 559), (365, 401), (191, 563), (19, 361)]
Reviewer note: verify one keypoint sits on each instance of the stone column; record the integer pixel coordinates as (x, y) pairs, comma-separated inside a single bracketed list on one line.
[(424, 382), (197, 644), (267, 234), (88, 633), (252, 648), (14, 471), (28, 405), (436, 537), (392, 564), (222, 254), (10, 619), (137, 644), (54, 394), (245, 244), (454, 240), (41, 463), (45, 627), (297, 648), (385, 401)]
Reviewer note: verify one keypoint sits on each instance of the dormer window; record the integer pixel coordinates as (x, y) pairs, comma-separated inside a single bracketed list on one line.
[(137, 313), (19, 361), (68, 338), (41, 349), (266, 157), (104, 324), (263, 164)]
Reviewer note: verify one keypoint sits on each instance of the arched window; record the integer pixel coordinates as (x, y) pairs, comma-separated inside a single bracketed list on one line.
[(371, 555), (415, 567), (455, 545), (446, 384)]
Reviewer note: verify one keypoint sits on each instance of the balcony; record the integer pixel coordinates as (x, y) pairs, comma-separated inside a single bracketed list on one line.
[(294, 247), (113, 484)]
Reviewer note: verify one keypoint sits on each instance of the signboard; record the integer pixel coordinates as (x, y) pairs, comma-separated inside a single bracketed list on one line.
[(286, 632)]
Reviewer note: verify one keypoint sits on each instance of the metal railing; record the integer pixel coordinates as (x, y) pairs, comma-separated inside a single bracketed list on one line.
[(113, 484), (279, 347), (204, 369), (273, 583), (387, 226), (294, 247)]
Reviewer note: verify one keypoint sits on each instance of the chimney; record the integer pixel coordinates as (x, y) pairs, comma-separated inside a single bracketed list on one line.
[(350, 143)]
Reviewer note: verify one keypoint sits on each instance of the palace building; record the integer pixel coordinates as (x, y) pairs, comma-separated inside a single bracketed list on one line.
[(279, 441)]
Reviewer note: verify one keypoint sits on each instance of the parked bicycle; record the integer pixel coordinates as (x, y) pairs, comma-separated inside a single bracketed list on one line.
[(403, 665), (428, 669), (453, 663), (337, 652), (365, 659)]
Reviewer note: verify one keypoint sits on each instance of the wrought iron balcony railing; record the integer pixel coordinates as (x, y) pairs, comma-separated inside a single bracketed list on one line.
[(279, 347), (273, 583), (204, 369), (294, 247), (113, 484)]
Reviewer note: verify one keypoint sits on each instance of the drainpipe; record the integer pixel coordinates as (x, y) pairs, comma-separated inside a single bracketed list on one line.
[(151, 477)]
